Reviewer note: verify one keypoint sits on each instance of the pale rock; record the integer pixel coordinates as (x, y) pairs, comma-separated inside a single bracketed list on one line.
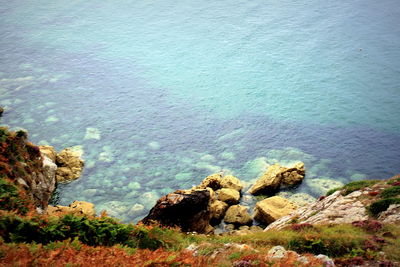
[(76, 208), (272, 209), (277, 252), (391, 215), (237, 214), (230, 181)]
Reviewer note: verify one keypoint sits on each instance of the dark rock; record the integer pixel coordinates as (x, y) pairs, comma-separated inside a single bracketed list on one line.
[(1, 111), (187, 210)]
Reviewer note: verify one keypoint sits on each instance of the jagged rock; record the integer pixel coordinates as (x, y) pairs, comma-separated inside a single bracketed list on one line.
[(70, 165), (294, 175), (76, 208), (218, 181), (276, 174), (237, 214), (273, 208), (333, 209), (229, 196), (49, 152), (218, 209), (187, 210)]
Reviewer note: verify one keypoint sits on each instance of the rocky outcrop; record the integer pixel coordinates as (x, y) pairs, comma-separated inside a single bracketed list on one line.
[(76, 208), (272, 209), (238, 215), (391, 215), (276, 175), (187, 210), (70, 165)]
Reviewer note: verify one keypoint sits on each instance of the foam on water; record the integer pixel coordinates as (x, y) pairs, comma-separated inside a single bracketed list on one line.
[(161, 94)]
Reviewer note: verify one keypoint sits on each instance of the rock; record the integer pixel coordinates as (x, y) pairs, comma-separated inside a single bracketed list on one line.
[(229, 196), (333, 209), (273, 208), (277, 252), (1, 111), (391, 215), (276, 174), (218, 209), (218, 181), (49, 152), (76, 208), (187, 210), (230, 181), (213, 181), (238, 215), (70, 165), (326, 261), (294, 175), (269, 181), (256, 228)]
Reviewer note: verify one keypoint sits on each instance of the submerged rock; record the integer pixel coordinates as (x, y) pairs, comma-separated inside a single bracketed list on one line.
[(238, 215), (273, 208), (70, 165), (276, 175), (187, 210)]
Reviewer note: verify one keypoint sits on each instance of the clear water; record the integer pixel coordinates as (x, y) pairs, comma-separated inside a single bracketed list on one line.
[(177, 90)]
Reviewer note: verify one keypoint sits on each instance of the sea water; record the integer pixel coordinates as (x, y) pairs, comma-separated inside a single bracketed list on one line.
[(160, 94)]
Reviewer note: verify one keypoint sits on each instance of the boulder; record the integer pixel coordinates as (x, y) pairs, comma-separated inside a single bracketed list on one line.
[(276, 175), (49, 152), (218, 209), (294, 175), (238, 215), (230, 181), (229, 196), (76, 208), (70, 165), (269, 181), (273, 208), (186, 209), (218, 181)]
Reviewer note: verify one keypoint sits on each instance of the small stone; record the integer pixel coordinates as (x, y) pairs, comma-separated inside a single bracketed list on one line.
[(277, 252)]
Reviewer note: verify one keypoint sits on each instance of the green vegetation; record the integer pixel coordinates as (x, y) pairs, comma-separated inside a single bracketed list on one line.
[(390, 192), (353, 186), (10, 198), (102, 231), (381, 205)]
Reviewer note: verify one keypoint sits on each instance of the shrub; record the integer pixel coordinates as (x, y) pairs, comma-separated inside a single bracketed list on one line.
[(368, 225), (390, 192), (11, 199), (382, 205)]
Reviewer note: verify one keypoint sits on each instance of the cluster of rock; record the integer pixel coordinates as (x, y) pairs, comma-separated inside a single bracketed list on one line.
[(69, 164), (217, 198)]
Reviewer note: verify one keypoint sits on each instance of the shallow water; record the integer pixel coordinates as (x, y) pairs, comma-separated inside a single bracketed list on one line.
[(161, 94)]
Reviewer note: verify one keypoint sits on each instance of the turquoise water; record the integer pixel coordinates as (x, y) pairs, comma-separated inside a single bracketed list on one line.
[(160, 94)]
